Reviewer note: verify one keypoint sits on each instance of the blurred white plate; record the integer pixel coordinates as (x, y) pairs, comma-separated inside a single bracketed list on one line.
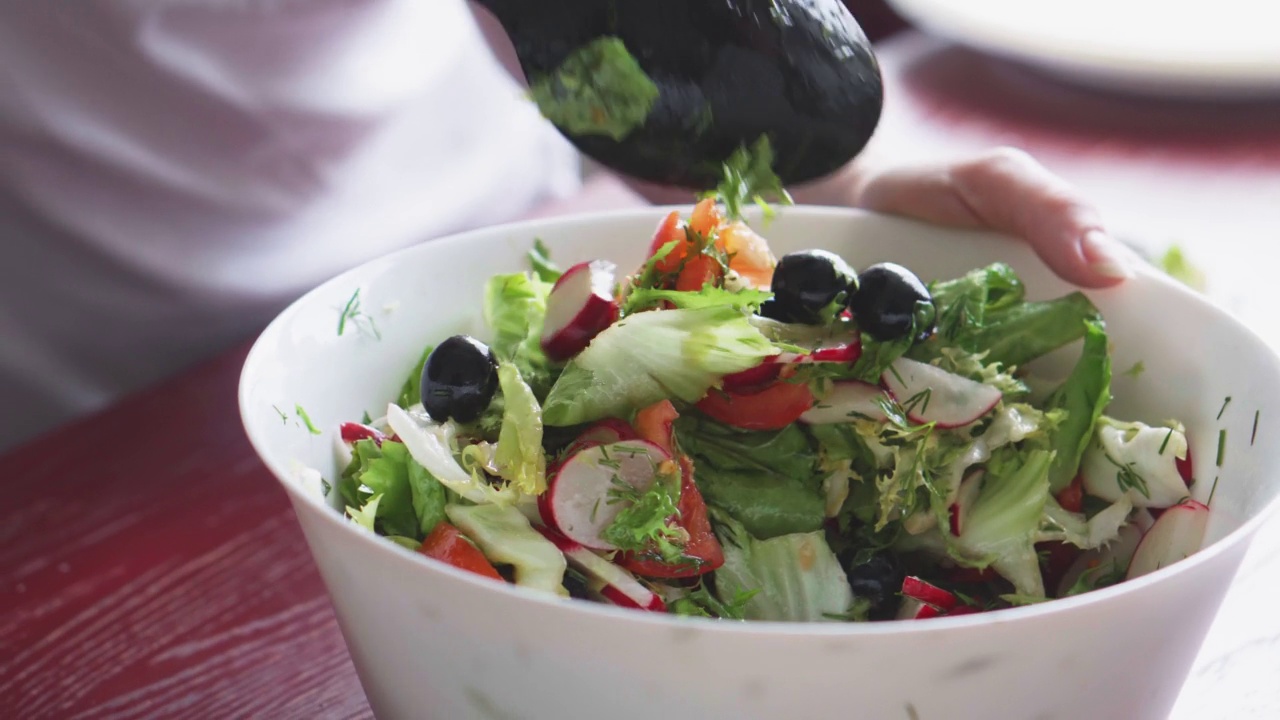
[(1167, 47)]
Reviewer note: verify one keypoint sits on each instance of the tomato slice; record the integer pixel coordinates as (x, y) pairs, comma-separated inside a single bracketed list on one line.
[(705, 217), (448, 545), (653, 423), (749, 253), (703, 551), (698, 271), (772, 408), (1071, 497), (671, 228)]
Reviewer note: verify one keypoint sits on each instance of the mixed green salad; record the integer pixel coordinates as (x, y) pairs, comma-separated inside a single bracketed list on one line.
[(720, 433)]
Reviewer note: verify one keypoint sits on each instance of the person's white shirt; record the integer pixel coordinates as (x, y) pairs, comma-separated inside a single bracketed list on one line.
[(173, 173)]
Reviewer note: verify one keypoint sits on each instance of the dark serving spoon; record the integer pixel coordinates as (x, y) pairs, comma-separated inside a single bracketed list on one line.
[(728, 71)]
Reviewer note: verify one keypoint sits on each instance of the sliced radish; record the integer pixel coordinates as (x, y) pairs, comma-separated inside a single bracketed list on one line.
[(1176, 534), (577, 502), (915, 609), (930, 394), (1185, 467), (754, 377), (914, 587), (848, 400), (836, 351), (970, 487), (614, 583), (353, 432), (602, 432), (580, 305)]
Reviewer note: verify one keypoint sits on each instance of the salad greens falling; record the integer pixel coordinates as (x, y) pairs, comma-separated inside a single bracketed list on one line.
[(725, 434), (599, 89)]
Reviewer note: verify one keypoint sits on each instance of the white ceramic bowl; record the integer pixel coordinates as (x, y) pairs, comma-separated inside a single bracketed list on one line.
[(431, 641)]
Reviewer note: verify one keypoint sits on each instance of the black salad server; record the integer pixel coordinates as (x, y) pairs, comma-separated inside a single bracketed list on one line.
[(801, 72)]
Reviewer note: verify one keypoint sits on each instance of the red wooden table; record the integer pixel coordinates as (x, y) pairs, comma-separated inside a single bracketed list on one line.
[(151, 567)]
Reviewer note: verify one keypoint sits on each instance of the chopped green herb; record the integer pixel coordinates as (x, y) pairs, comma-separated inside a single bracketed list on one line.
[(283, 417), (1165, 444), (1212, 490), (644, 526), (1135, 370), (1254, 436), (366, 418), (306, 420), (540, 261), (749, 176), (351, 314), (599, 89), (1223, 409), (1127, 477), (1222, 445), (1175, 263), (1095, 578), (700, 602)]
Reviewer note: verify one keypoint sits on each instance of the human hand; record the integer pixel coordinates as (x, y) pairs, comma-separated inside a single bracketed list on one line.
[(1008, 191)]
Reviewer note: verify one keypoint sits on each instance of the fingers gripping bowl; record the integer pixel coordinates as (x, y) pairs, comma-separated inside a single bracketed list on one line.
[(427, 637)]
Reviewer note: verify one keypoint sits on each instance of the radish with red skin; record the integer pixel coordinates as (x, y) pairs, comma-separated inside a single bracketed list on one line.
[(915, 609), (580, 305), (576, 502), (755, 377), (353, 432), (914, 587), (970, 486), (1185, 467), (840, 351), (602, 432), (1178, 533), (617, 585), (930, 394), (847, 401)]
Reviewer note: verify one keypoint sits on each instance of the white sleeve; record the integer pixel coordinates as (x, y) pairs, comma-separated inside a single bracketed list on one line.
[(199, 164)]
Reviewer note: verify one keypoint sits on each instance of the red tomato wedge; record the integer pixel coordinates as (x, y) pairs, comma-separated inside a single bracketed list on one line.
[(749, 253), (670, 229), (771, 408), (1071, 497), (653, 423), (702, 549), (448, 545), (697, 272)]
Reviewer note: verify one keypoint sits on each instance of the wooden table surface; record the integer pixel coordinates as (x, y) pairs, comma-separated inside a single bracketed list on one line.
[(151, 567)]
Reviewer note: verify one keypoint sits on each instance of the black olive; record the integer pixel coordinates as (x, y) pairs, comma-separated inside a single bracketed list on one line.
[(773, 310), (459, 379), (879, 581), (808, 281), (889, 301)]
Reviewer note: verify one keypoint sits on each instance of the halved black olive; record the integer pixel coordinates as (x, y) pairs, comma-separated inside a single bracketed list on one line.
[(808, 281), (459, 379), (889, 301)]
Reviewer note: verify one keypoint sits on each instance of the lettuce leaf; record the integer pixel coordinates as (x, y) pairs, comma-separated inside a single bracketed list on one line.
[(769, 481), (515, 307), (1083, 396), (519, 454), (797, 576), (505, 536), (653, 356), (1003, 523)]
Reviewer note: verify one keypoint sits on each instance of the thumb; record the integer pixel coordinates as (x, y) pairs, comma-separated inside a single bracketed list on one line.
[(1007, 191)]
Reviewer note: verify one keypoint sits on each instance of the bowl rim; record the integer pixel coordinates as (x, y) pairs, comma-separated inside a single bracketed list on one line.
[(1026, 613)]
